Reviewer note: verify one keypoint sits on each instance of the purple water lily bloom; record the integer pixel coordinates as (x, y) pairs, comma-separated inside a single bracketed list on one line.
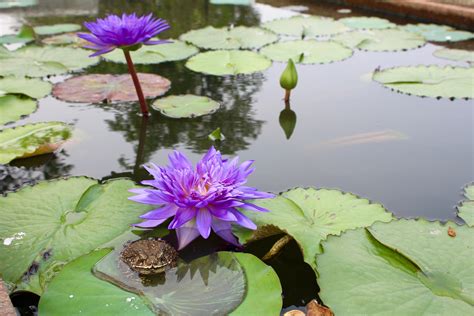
[(202, 198), (128, 30)]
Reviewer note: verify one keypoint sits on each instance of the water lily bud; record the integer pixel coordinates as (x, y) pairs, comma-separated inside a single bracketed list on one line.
[(289, 77)]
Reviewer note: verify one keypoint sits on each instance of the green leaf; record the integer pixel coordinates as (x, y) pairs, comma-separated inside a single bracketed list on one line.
[(365, 23), (307, 51), (406, 267), (98, 88), (438, 33), (17, 3), (49, 224), (466, 209), (455, 54), (310, 215), (13, 108), (32, 139), (155, 54), (69, 39), (185, 106), (228, 62), (430, 81), (26, 35), (381, 40), (216, 135), (34, 88), (33, 61), (305, 26), (56, 28), (240, 37)]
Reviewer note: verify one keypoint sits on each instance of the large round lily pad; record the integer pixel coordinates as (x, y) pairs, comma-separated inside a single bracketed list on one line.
[(310, 215), (155, 54), (100, 88), (228, 62), (307, 51), (455, 54), (56, 28), (306, 26), (438, 33), (32, 139), (366, 22), (33, 61), (34, 88), (430, 81), (13, 107), (77, 289), (381, 40), (240, 37), (406, 267), (46, 225), (185, 106), (466, 209)]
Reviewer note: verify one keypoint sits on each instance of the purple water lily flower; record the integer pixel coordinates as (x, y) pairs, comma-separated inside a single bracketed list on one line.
[(128, 30), (202, 198)]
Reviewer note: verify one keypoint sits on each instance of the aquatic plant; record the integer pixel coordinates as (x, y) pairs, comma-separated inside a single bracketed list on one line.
[(128, 32), (289, 79), (200, 198)]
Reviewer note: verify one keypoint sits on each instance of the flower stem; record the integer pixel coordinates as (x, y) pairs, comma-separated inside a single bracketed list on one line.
[(287, 95), (136, 82)]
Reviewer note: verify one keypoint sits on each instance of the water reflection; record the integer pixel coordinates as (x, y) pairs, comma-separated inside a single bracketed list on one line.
[(287, 120)]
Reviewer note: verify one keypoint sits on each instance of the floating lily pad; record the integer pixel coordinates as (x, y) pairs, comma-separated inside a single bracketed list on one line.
[(26, 35), (310, 215), (381, 40), (77, 289), (438, 33), (155, 54), (455, 54), (466, 209), (67, 39), (185, 106), (306, 26), (100, 88), (228, 62), (33, 61), (430, 81), (34, 88), (17, 3), (13, 107), (56, 28), (240, 37), (53, 222), (406, 267), (31, 140), (365, 23), (307, 51)]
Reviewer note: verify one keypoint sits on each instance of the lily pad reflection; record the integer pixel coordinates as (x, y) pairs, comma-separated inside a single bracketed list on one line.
[(211, 285)]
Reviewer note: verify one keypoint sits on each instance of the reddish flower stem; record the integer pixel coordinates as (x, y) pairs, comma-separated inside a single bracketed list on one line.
[(136, 82)]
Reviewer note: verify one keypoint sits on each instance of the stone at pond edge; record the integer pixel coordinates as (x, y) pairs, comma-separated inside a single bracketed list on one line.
[(99, 88)]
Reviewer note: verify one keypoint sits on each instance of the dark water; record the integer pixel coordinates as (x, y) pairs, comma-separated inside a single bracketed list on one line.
[(411, 154)]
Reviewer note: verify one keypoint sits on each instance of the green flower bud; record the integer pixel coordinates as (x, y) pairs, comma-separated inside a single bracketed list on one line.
[(289, 77)]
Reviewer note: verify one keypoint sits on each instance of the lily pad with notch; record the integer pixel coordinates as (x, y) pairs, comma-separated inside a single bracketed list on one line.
[(367, 23), (56, 28), (185, 106), (303, 26), (31, 87), (438, 33)]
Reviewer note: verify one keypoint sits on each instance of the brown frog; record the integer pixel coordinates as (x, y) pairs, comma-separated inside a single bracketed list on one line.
[(149, 256)]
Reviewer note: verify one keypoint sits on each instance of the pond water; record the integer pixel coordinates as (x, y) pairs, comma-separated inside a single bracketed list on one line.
[(414, 155)]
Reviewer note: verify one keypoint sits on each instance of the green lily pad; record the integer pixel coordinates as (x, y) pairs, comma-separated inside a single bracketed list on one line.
[(67, 39), (185, 106), (77, 289), (381, 40), (455, 54), (56, 28), (26, 35), (406, 267), (31, 139), (17, 3), (366, 23), (307, 51), (53, 222), (438, 33), (34, 88), (33, 61), (466, 209), (240, 37), (98, 88), (155, 54), (228, 62), (310, 215), (430, 81), (305, 26), (216, 135), (13, 108)]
